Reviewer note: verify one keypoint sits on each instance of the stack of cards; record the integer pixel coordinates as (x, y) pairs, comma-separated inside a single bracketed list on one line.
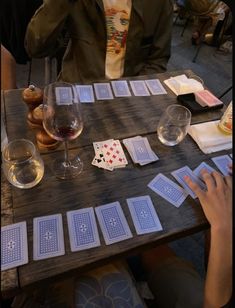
[(109, 155), (140, 150)]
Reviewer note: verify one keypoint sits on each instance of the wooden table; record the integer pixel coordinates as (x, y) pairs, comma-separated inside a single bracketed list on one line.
[(118, 119)]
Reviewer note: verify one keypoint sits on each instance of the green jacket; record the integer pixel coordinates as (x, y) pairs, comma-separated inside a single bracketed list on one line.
[(148, 41)]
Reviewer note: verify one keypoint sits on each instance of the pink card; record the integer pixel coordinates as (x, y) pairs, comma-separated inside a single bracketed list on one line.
[(206, 98)]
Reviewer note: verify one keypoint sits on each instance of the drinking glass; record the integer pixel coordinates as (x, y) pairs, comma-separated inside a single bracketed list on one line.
[(22, 163), (62, 120), (174, 124)]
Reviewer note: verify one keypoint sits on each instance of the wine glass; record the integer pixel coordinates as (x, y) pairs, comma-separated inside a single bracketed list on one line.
[(173, 124), (62, 120)]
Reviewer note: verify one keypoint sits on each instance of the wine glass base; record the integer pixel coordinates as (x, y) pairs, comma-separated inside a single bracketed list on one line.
[(66, 171)]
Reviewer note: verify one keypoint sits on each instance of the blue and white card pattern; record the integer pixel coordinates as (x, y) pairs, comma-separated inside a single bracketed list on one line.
[(120, 88), (168, 190), (155, 86), (179, 175), (83, 232), (85, 93), (141, 150), (143, 214), (139, 88), (113, 223), (48, 237), (103, 91), (222, 162), (63, 96), (14, 245), (202, 166)]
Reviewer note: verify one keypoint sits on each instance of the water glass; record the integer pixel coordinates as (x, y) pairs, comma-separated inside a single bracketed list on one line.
[(22, 163), (174, 124)]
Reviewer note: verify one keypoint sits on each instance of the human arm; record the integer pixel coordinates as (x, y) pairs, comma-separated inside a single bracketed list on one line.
[(159, 54), (216, 203), (45, 27)]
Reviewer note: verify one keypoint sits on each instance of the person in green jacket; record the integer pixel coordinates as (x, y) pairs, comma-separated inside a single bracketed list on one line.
[(108, 39)]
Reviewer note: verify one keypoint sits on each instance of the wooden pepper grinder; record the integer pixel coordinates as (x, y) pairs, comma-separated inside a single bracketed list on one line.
[(33, 98)]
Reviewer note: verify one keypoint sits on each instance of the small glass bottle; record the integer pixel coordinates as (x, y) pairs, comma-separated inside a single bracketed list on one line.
[(226, 122)]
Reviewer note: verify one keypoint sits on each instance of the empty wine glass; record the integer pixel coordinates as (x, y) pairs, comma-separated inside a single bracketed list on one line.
[(62, 120), (173, 124)]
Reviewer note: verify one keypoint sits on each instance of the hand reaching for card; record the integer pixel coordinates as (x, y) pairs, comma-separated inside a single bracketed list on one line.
[(216, 201)]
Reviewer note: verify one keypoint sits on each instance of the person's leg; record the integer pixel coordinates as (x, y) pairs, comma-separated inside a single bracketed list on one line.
[(173, 281), (110, 286)]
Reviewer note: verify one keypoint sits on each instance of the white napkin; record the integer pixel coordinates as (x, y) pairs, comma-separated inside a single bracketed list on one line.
[(181, 84), (209, 137)]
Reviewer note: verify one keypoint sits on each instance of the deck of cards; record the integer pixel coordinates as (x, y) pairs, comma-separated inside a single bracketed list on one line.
[(109, 155), (140, 150)]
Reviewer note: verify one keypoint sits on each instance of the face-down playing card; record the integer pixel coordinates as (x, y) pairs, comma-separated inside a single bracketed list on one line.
[(143, 214), (155, 86), (179, 175), (168, 190), (83, 232), (113, 223), (222, 162), (14, 245), (103, 91), (202, 166), (120, 88), (48, 237), (139, 88), (85, 93)]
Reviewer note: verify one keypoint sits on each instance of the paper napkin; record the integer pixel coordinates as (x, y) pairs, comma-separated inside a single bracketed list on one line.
[(181, 84), (209, 137)]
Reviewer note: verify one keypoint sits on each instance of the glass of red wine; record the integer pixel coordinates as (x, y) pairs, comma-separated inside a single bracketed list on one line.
[(62, 120)]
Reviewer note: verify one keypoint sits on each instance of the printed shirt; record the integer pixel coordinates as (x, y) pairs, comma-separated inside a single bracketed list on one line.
[(117, 14)]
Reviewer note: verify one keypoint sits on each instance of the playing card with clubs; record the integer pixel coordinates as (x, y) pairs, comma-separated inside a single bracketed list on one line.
[(155, 86), (48, 237), (14, 245), (138, 148), (99, 159), (114, 154), (63, 96), (139, 88), (202, 166), (113, 223), (83, 232), (179, 175), (222, 162), (103, 91), (85, 93), (143, 214), (168, 190), (120, 88)]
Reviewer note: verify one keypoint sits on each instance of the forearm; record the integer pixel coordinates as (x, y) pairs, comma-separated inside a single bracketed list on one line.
[(218, 286), (45, 26)]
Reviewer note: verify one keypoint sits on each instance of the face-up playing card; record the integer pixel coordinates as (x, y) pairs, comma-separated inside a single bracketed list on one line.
[(103, 91), (85, 93), (155, 86), (143, 214), (48, 237), (114, 153), (83, 232), (179, 175), (113, 223), (14, 245), (202, 166), (222, 162), (120, 88), (139, 88), (63, 96), (168, 190)]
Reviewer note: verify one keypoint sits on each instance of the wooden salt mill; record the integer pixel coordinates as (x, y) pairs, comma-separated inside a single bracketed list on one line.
[(33, 97)]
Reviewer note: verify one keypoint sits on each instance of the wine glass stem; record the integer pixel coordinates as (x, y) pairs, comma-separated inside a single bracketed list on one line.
[(66, 154)]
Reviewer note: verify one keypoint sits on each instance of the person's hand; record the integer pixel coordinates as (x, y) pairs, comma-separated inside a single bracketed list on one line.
[(216, 201)]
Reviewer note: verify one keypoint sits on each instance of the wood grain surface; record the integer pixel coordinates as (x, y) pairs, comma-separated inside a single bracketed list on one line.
[(117, 119)]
